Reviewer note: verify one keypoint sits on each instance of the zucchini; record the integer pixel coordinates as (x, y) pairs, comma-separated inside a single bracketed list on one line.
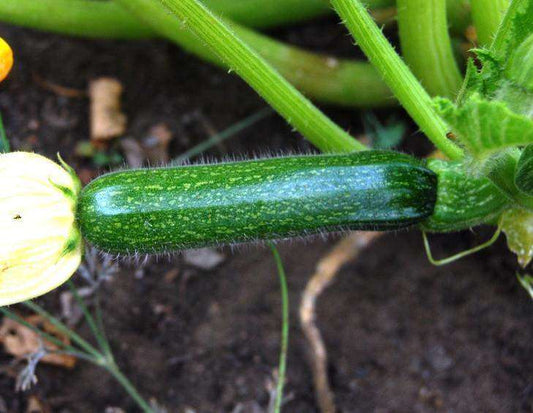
[(171, 208)]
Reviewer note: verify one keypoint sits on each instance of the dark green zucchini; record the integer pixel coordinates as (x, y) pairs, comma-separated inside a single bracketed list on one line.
[(166, 209)]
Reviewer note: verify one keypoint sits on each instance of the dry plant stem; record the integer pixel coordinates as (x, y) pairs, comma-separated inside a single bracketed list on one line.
[(396, 74), (346, 250), (426, 45), (487, 16), (260, 75)]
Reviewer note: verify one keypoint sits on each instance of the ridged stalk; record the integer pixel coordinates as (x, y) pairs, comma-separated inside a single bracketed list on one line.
[(487, 16), (426, 45)]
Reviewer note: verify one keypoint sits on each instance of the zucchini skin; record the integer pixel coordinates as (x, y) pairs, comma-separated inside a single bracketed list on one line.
[(172, 208)]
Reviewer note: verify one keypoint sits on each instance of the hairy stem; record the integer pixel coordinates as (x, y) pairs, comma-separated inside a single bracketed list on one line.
[(396, 74), (487, 16), (284, 98), (426, 45)]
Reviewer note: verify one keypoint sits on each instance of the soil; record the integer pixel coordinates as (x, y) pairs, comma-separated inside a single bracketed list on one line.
[(402, 335)]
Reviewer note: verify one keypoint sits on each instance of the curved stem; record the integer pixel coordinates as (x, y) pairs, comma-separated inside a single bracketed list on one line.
[(284, 98), (396, 74), (487, 16), (426, 45), (458, 256)]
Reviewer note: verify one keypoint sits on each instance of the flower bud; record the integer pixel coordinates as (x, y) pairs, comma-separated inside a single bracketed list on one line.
[(40, 243)]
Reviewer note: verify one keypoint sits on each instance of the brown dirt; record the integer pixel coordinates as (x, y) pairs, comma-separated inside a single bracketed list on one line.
[(403, 336)]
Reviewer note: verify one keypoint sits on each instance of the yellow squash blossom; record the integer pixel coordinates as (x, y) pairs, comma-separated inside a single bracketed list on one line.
[(6, 59), (40, 244)]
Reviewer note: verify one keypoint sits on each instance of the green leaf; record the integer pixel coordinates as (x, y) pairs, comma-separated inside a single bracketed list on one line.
[(515, 28), (518, 227), (485, 127), (524, 171), (519, 68)]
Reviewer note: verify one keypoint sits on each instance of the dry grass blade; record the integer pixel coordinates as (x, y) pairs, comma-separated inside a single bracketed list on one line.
[(326, 270)]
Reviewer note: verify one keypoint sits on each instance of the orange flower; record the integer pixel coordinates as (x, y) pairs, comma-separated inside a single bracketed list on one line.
[(6, 59)]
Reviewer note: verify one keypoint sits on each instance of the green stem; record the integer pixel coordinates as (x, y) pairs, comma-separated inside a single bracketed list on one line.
[(320, 77), (95, 329), (107, 19), (280, 94), (284, 328), (92, 354), (269, 13), (458, 15), (426, 45), (487, 16), (64, 329), (48, 337), (128, 386), (396, 74)]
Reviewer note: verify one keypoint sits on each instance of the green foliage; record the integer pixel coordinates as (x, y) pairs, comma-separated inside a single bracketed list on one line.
[(515, 28), (485, 127), (524, 171)]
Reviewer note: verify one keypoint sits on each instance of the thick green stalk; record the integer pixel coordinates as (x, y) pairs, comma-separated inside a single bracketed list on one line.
[(326, 79), (487, 16), (107, 19), (459, 15), (107, 16), (426, 45), (279, 93), (396, 74)]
